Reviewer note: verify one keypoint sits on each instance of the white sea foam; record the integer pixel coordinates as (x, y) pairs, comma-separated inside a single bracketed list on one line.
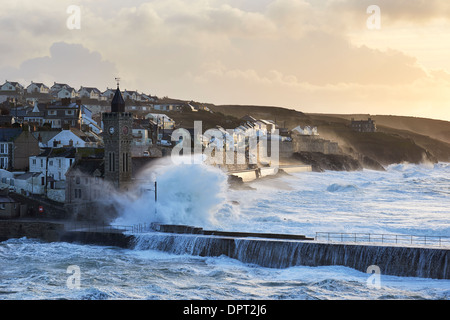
[(187, 193), (405, 199)]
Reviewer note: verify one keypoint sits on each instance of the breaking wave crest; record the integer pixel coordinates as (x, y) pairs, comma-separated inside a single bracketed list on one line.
[(190, 194)]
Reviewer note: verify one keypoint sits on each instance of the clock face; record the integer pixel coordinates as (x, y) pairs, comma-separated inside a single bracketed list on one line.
[(111, 130), (125, 130)]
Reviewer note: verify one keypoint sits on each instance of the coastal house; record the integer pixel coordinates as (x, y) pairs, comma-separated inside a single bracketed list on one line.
[(74, 137), (267, 126), (131, 95), (307, 139), (12, 87), (108, 93), (163, 121), (65, 93), (306, 131), (37, 87), (53, 163), (24, 146), (140, 135), (26, 183), (58, 86), (36, 116), (7, 137), (63, 114), (11, 91), (84, 187), (43, 137), (363, 125), (89, 93), (9, 208)]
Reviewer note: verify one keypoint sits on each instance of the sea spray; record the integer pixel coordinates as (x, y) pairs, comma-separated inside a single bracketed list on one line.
[(187, 193)]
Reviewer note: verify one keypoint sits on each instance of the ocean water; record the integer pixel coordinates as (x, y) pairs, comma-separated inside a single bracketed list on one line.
[(405, 199)]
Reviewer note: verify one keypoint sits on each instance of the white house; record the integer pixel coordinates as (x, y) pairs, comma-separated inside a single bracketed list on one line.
[(108, 93), (53, 164), (131, 95), (163, 120), (167, 107), (140, 137), (267, 126), (89, 92), (72, 138), (147, 98), (306, 131), (65, 93), (37, 87), (85, 119), (29, 182), (58, 86), (12, 86)]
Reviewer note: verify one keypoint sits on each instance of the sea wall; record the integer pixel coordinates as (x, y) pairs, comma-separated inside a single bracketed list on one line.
[(271, 253), (392, 260), (46, 231)]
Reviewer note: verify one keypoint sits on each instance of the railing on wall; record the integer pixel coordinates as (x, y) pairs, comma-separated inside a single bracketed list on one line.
[(441, 241), (86, 226)]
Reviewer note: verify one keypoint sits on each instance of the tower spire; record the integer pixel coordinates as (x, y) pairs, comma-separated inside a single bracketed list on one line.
[(117, 103)]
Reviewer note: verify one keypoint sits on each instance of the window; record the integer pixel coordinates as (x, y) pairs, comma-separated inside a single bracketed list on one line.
[(112, 160), (4, 162), (42, 163), (34, 161), (2, 206), (52, 112), (78, 180), (77, 193), (4, 148)]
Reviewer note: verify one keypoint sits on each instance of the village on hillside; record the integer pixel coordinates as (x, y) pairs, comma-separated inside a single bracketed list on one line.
[(52, 140)]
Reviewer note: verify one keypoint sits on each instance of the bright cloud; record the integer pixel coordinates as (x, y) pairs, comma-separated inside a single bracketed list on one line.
[(317, 56)]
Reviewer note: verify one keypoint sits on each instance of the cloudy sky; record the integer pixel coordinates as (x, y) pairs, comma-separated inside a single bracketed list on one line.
[(325, 56)]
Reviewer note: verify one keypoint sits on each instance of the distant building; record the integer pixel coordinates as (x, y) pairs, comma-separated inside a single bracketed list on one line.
[(63, 114), (162, 120), (37, 115), (12, 86), (37, 87), (9, 208), (74, 138), (89, 92), (65, 93), (11, 91), (7, 137), (84, 187), (53, 164), (58, 86), (363, 125), (307, 139), (25, 145)]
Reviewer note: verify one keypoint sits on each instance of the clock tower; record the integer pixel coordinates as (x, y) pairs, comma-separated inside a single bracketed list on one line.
[(117, 138)]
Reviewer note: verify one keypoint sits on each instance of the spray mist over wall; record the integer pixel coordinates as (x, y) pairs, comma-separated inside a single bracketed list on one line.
[(187, 193)]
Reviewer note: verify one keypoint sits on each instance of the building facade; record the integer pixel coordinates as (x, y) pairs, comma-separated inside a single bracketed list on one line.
[(363, 125)]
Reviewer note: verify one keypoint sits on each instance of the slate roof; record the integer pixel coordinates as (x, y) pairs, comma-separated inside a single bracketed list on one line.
[(9, 134)]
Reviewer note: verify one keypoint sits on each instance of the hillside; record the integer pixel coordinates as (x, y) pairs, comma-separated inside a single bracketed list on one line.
[(436, 129), (399, 139)]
